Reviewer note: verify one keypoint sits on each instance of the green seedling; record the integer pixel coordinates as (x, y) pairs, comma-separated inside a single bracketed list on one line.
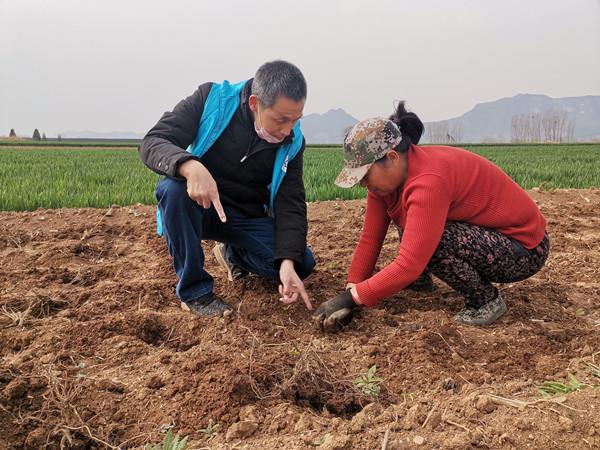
[(332, 265), (320, 440), (170, 442), (210, 430), (408, 395), (579, 312), (550, 388), (369, 383), (595, 370)]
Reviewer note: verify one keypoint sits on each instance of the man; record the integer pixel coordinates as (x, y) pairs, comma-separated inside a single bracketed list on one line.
[(239, 183)]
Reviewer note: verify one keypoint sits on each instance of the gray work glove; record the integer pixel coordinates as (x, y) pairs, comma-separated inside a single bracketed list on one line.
[(335, 314)]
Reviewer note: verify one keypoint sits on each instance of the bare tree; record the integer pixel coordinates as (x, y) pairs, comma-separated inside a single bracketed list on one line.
[(551, 126), (457, 131), (570, 137), (525, 127), (36, 135), (433, 132), (517, 133), (558, 127), (444, 132), (12, 133), (535, 127)]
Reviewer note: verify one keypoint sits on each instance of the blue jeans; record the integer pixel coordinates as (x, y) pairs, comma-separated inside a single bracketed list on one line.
[(250, 241)]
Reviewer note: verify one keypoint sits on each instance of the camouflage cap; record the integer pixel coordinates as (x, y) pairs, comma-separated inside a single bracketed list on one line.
[(366, 142)]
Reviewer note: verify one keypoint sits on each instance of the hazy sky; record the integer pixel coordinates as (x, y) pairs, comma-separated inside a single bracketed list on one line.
[(117, 65)]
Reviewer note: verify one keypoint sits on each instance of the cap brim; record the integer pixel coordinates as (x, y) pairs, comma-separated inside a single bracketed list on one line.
[(350, 176)]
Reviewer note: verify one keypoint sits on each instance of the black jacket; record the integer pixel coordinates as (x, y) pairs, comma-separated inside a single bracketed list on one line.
[(242, 185)]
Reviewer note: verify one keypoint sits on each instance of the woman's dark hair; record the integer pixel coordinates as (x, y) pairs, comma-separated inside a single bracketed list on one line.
[(410, 126)]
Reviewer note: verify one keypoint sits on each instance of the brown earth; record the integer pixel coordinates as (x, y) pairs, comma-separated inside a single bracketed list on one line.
[(96, 352)]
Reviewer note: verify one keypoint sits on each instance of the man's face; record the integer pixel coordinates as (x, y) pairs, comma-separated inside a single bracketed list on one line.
[(279, 118)]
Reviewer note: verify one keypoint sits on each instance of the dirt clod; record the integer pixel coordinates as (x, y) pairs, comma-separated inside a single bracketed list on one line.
[(566, 424), (241, 430), (485, 404), (419, 440)]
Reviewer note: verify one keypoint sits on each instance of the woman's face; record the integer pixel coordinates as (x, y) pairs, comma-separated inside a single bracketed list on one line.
[(386, 176)]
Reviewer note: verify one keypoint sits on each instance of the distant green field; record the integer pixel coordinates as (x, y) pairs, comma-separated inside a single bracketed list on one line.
[(6, 142), (53, 177)]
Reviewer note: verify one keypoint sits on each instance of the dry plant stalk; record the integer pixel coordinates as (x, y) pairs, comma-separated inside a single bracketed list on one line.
[(17, 318), (58, 410), (309, 371)]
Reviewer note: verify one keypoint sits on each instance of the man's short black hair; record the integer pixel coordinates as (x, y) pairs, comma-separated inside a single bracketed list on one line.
[(277, 78)]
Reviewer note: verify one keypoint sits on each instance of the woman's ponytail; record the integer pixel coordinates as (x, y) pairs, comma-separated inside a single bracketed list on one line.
[(410, 126)]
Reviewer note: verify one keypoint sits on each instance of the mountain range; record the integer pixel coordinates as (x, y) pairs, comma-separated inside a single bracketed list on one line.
[(327, 128), (492, 121), (486, 122)]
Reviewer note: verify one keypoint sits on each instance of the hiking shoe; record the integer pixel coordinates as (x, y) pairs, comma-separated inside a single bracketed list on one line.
[(423, 284), (484, 315), (233, 272), (207, 305)]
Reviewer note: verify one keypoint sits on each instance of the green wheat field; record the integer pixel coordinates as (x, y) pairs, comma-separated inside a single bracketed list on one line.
[(96, 175)]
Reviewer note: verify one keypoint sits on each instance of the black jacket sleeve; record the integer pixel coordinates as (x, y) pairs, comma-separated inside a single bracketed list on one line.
[(290, 213), (163, 147)]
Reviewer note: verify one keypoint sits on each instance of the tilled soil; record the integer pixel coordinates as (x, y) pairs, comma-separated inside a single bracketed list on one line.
[(97, 353)]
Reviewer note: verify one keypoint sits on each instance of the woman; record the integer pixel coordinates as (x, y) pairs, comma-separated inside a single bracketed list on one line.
[(460, 218)]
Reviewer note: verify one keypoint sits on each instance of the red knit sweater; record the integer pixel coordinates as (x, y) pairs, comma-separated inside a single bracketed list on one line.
[(443, 184)]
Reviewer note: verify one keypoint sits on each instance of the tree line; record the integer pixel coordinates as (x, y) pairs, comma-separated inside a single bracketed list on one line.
[(550, 126), (36, 135), (444, 132)]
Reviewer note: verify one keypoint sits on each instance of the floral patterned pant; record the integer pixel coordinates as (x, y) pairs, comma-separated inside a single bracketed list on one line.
[(469, 258)]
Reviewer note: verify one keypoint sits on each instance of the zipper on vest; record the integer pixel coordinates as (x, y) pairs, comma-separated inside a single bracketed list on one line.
[(250, 142)]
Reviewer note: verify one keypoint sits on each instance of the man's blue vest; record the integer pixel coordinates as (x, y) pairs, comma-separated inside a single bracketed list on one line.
[(220, 106)]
